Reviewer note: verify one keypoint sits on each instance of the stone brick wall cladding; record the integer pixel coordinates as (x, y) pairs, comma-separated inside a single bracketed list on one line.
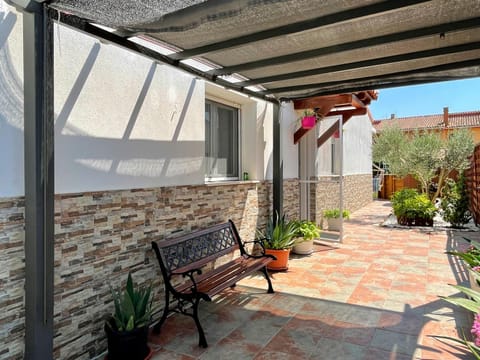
[(357, 191), (291, 198), (12, 278), (99, 237)]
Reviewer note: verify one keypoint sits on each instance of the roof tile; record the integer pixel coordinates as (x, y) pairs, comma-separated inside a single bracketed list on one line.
[(455, 120)]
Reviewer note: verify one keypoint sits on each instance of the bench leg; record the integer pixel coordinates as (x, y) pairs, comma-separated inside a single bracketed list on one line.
[(156, 328), (202, 342), (270, 287)]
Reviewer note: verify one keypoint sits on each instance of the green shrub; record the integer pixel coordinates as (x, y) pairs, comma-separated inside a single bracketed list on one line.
[(412, 208), (455, 202)]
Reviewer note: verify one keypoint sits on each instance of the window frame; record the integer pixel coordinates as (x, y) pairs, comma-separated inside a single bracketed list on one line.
[(226, 103)]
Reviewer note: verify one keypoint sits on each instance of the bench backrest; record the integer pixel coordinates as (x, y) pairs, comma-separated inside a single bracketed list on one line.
[(198, 248)]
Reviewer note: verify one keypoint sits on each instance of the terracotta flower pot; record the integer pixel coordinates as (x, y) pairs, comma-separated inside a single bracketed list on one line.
[(282, 259)]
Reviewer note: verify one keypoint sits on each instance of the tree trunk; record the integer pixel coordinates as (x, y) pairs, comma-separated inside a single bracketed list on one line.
[(441, 180)]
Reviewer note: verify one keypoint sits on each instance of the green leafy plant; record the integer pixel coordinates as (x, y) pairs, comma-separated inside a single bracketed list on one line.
[(471, 304), (306, 231), (278, 236), (412, 208), (308, 112), (455, 202), (471, 256), (133, 307), (335, 214)]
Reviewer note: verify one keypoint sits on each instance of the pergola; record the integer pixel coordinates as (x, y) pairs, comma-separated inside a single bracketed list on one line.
[(273, 50)]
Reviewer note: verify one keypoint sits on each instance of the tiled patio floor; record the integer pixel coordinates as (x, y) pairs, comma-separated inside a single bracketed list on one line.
[(374, 296)]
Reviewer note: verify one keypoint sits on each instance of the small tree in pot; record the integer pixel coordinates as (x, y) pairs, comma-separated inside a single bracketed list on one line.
[(127, 328)]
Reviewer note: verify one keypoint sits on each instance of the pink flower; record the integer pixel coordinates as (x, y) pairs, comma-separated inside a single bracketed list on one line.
[(476, 268), (476, 329)]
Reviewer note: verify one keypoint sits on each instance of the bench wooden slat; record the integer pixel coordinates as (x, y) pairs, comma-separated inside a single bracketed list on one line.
[(214, 286), (224, 276)]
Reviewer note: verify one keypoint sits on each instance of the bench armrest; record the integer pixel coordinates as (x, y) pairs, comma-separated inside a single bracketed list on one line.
[(259, 242), (190, 274)]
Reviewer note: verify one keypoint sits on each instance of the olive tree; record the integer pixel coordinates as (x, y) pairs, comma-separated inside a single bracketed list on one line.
[(424, 155)]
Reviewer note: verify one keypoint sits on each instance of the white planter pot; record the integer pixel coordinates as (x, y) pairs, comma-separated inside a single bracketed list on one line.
[(303, 248), (334, 224)]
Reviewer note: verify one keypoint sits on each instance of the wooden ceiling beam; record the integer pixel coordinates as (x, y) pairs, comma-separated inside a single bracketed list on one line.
[(323, 106), (319, 101), (321, 110)]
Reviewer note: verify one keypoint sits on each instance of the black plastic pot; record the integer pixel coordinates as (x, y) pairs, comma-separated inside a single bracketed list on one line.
[(131, 345)]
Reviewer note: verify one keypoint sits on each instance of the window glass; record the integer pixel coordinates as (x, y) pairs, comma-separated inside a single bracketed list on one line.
[(221, 141)]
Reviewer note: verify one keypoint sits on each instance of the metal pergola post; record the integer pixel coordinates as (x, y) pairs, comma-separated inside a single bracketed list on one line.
[(277, 165), (39, 178), (340, 132)]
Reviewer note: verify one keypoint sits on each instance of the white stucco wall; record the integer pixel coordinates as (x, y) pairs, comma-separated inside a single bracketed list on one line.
[(323, 161), (357, 147), (122, 121), (11, 104), (357, 137), (288, 121)]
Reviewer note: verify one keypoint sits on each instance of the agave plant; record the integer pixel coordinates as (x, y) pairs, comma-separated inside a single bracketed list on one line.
[(133, 307), (278, 236)]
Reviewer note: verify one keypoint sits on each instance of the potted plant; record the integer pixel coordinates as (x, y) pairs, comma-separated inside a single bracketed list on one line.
[(307, 231), (127, 328), (278, 240), (309, 119), (333, 218)]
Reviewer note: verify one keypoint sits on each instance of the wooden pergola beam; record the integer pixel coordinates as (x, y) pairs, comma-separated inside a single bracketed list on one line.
[(324, 104), (321, 112)]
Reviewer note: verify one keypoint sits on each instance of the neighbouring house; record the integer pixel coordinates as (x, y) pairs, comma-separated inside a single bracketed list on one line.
[(442, 123), (144, 151)]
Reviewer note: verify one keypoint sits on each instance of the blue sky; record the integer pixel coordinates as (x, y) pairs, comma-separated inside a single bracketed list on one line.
[(459, 96)]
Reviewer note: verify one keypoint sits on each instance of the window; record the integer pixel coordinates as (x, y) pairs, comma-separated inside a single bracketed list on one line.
[(221, 141)]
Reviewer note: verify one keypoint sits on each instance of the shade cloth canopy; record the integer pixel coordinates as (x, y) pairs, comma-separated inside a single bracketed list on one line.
[(291, 49)]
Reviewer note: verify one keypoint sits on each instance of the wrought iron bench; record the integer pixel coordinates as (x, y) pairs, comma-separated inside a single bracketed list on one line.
[(187, 256)]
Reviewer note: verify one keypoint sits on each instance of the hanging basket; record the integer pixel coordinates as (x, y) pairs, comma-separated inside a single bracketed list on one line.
[(308, 122)]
